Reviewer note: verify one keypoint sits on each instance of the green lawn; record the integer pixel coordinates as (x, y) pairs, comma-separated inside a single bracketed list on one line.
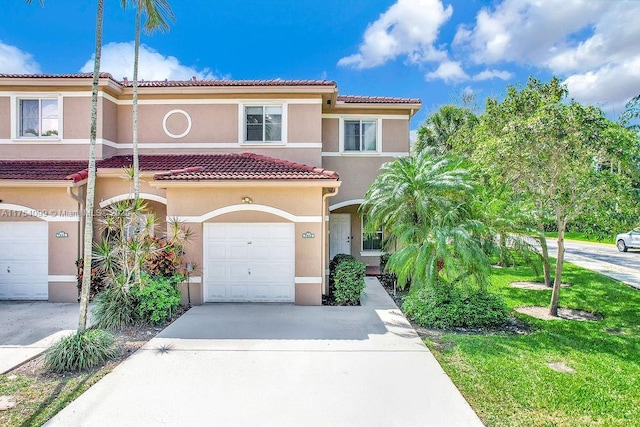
[(505, 377), (581, 237), (39, 399)]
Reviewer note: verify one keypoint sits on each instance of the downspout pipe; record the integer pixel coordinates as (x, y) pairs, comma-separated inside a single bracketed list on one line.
[(325, 251), (81, 202)]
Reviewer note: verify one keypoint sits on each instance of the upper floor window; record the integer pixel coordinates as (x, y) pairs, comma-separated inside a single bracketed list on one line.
[(360, 135), (38, 118), (263, 123)]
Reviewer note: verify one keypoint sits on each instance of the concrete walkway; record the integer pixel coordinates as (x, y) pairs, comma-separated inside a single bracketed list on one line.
[(278, 365), (29, 328)]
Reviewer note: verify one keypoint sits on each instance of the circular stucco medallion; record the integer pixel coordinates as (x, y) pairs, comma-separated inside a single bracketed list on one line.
[(176, 135)]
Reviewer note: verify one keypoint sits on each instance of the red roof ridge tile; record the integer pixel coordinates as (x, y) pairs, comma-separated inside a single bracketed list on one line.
[(78, 176), (190, 169)]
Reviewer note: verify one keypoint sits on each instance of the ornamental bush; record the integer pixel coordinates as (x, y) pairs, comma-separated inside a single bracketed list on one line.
[(115, 308), (348, 280), (158, 299), (80, 351), (445, 306)]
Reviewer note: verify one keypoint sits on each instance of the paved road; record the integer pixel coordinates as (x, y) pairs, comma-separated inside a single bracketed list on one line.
[(603, 258)]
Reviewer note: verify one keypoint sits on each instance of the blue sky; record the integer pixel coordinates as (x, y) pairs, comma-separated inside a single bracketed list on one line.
[(431, 49)]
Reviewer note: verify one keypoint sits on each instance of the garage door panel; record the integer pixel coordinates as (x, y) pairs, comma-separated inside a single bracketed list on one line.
[(277, 271), (216, 292), (24, 260), (249, 262), (21, 250), (275, 251)]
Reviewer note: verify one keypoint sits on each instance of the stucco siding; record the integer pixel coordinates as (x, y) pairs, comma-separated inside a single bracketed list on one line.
[(395, 136), (109, 120), (76, 117), (356, 173), (330, 135), (217, 123), (5, 117), (305, 123)]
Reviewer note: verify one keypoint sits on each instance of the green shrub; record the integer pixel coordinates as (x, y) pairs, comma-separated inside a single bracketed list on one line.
[(332, 271), (158, 299), (349, 281), (81, 351), (446, 306), (115, 308)]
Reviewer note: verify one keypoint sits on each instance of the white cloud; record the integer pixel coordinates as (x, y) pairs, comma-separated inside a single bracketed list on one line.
[(492, 74), (449, 71), (117, 59), (591, 44), (16, 61), (609, 87), (408, 28)]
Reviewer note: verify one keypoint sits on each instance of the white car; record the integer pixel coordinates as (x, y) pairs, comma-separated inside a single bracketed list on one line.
[(630, 240)]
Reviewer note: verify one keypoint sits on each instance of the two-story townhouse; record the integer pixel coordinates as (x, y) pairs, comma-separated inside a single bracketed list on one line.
[(268, 175)]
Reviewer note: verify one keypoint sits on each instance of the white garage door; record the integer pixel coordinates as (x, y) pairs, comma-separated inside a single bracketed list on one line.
[(24, 267), (249, 262)]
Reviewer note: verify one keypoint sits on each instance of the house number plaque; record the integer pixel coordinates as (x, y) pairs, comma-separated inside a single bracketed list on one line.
[(62, 234), (308, 235)]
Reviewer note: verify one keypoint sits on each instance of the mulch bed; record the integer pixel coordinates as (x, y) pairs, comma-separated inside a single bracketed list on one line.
[(536, 286), (563, 314)]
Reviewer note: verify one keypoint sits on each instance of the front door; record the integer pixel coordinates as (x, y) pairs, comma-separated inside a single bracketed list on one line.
[(339, 234)]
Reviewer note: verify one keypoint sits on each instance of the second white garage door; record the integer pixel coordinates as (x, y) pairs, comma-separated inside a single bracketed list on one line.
[(249, 262)]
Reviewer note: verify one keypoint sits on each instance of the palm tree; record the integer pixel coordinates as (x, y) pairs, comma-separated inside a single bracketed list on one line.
[(631, 112), (423, 204), (158, 13), (438, 133), (91, 180)]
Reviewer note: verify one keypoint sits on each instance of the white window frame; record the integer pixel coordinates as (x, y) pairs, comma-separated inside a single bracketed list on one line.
[(378, 149), (15, 115), (369, 252), (242, 122)]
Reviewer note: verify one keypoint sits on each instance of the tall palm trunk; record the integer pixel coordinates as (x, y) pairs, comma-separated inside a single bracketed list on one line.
[(91, 182), (136, 52)]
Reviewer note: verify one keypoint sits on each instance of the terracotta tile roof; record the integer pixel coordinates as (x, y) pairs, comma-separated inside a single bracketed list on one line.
[(197, 167), (178, 83), (245, 166), (354, 99), (228, 83), (56, 76), (43, 170)]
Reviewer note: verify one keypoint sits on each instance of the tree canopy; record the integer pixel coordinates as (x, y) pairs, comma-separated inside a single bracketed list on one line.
[(565, 157)]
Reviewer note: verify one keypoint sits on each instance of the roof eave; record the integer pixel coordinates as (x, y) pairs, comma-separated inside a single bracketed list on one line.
[(61, 183), (379, 105)]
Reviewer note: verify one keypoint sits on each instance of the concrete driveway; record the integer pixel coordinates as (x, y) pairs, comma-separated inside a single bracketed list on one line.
[(278, 365), (29, 328)]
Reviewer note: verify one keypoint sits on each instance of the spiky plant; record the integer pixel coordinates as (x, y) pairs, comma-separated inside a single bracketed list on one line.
[(81, 351)]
